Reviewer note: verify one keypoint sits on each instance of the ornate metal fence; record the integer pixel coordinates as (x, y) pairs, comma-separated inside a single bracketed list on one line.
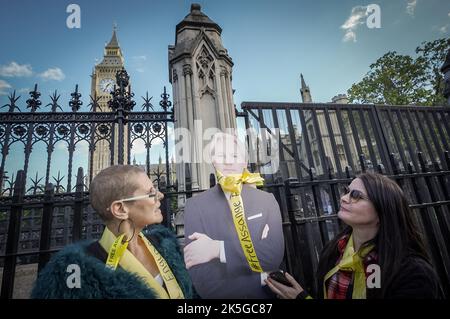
[(44, 213), (322, 147), (76, 127)]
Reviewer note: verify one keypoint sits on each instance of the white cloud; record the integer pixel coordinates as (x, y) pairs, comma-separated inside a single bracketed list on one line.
[(138, 63), (140, 57), (55, 74), (357, 17), (445, 28), (24, 90), (138, 147), (3, 86), (16, 70), (349, 36), (411, 7)]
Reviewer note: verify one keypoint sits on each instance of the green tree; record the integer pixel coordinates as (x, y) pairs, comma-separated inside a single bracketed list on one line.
[(393, 79), (403, 80), (434, 54)]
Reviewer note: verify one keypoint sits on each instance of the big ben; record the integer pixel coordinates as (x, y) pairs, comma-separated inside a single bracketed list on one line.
[(103, 81)]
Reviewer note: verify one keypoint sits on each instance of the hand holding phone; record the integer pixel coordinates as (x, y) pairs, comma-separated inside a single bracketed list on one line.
[(280, 277)]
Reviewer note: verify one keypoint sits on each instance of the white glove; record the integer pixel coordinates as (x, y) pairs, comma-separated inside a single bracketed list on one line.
[(201, 250)]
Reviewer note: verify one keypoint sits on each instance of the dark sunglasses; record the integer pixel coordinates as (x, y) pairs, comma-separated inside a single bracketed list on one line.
[(355, 195)]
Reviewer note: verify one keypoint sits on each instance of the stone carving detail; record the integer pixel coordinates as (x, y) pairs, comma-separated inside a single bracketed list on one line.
[(206, 72), (187, 69), (223, 71), (174, 75)]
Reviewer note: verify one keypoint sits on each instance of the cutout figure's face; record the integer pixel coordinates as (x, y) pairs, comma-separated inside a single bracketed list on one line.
[(228, 154)]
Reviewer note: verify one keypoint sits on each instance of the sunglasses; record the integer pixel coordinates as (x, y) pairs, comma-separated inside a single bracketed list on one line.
[(355, 195), (154, 194), (151, 195)]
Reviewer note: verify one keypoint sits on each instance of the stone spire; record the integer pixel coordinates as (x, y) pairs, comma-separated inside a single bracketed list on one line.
[(113, 43), (113, 53), (304, 91), (196, 18), (200, 71)]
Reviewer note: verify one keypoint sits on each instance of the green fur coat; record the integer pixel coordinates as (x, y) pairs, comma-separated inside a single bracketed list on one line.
[(99, 282)]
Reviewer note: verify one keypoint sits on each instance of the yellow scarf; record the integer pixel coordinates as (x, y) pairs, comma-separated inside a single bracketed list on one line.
[(352, 261), (118, 254), (233, 184)]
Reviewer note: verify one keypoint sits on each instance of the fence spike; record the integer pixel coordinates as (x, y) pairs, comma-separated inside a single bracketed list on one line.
[(362, 162), (447, 159), (394, 164), (422, 163)]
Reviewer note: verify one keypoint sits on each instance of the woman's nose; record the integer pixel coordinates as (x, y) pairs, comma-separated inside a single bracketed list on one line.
[(345, 198), (160, 195)]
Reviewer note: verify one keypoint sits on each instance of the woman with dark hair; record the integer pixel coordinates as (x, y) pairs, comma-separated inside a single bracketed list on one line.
[(380, 239)]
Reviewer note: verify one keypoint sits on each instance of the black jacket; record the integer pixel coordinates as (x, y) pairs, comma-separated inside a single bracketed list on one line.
[(416, 280)]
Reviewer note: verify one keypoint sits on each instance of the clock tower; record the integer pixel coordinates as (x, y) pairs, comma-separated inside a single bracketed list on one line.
[(103, 81)]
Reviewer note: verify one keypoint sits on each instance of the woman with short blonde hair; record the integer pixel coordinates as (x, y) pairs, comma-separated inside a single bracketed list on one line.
[(136, 257)]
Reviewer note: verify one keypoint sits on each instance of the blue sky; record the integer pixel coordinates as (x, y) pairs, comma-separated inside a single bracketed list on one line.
[(270, 42)]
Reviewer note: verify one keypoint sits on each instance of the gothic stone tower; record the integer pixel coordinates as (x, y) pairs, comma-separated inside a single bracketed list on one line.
[(103, 81), (200, 72)]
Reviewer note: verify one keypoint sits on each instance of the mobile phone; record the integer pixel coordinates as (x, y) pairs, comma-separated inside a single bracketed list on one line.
[(280, 277)]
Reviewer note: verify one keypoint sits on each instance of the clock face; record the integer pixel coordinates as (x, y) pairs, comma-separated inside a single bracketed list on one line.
[(107, 85)]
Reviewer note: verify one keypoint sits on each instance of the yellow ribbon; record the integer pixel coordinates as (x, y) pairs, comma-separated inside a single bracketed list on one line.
[(118, 254), (233, 184), (168, 277), (352, 261)]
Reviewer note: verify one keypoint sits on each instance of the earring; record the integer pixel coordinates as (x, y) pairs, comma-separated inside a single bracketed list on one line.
[(132, 224)]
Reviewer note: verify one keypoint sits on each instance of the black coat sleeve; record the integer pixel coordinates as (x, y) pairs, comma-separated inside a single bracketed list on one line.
[(416, 280)]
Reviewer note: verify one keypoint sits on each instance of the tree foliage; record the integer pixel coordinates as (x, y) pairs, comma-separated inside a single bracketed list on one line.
[(397, 79)]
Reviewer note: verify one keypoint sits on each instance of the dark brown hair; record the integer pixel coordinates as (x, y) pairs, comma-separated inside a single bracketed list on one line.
[(397, 238)]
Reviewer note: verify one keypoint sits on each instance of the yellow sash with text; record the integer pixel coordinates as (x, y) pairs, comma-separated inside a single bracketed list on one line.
[(118, 254), (233, 184)]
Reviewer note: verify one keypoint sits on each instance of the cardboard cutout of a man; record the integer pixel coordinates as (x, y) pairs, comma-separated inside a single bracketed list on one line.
[(234, 234)]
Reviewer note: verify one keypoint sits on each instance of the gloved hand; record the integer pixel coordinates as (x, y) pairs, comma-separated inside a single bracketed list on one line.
[(201, 250)]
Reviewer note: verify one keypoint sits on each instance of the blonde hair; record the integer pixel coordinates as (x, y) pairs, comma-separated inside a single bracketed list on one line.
[(111, 184)]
